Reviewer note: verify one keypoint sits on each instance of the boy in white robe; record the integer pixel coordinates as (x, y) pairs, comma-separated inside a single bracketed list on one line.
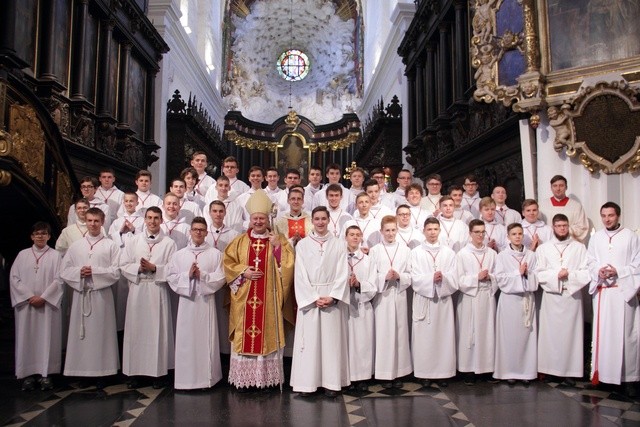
[(76, 231), (362, 290), (200, 162), (109, 193), (148, 347), (364, 220), (495, 233), (233, 211), (337, 216), (504, 214), (471, 196), (88, 186), (431, 202), (190, 177), (562, 271), (188, 209), (320, 355), (476, 305), (454, 233), (195, 273), (122, 230), (516, 328), (173, 226), (333, 174), (36, 294), (614, 263), (456, 191), (90, 268), (146, 198), (230, 169), (418, 213), (406, 233), (536, 232), (433, 336), (391, 262)]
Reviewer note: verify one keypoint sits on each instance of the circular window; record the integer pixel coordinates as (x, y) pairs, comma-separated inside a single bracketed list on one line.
[(293, 65)]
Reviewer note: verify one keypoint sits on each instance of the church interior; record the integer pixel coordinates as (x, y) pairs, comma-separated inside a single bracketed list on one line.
[(511, 91)]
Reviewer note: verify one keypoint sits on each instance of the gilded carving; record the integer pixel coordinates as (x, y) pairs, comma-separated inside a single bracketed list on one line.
[(611, 146), (5, 143), (28, 143), (64, 195), (5, 178)]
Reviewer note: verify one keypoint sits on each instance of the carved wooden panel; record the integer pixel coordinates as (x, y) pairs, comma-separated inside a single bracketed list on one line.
[(62, 36)]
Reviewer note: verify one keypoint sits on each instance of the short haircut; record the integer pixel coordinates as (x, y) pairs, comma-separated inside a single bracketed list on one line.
[(358, 169), (230, 159), (559, 218), (217, 203), (475, 223), (223, 178), (351, 227), (97, 212), (173, 181), (556, 178), (297, 187), (106, 170), (431, 220), (189, 171), (319, 209), (387, 219), (315, 168), (292, 171), (83, 201), (41, 226), (435, 176), (198, 153), (130, 193), (169, 194), (414, 186), (361, 195), (333, 166), (369, 183), (513, 225), (273, 169), (470, 177), (404, 205), (455, 187), (92, 179), (486, 201), (336, 188), (376, 171), (445, 199), (154, 209), (298, 190), (199, 220), (256, 168), (144, 172), (613, 205), (528, 202)]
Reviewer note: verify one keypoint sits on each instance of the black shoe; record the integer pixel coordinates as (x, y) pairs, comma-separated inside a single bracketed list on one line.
[(158, 383), (526, 383), (29, 384), (630, 390), (511, 383), (363, 386), (569, 382), (100, 384), (387, 384), (397, 384), (425, 383), (46, 384), (492, 380), (330, 393), (305, 394), (132, 383), (443, 384), (470, 379)]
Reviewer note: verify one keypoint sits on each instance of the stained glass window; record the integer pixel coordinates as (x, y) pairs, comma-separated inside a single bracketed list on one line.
[(293, 65)]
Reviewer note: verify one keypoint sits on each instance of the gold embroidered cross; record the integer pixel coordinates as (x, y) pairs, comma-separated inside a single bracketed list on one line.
[(254, 302), (253, 331)]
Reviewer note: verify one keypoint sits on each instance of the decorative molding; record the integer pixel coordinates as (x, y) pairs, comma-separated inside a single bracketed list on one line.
[(27, 143), (610, 145)]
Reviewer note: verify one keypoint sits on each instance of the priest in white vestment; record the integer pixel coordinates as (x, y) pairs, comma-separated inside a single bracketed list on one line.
[(320, 354), (36, 293), (614, 263), (392, 265), (433, 336), (516, 326), (148, 347), (562, 270), (362, 289), (90, 268), (476, 305), (196, 274)]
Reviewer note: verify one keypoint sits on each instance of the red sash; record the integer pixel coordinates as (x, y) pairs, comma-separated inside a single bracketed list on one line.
[(254, 310)]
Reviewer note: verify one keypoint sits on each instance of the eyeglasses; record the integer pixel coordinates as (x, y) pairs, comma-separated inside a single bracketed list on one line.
[(199, 230), (479, 232), (404, 214), (86, 187)]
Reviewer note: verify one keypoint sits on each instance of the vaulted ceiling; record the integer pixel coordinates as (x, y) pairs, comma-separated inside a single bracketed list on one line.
[(258, 32)]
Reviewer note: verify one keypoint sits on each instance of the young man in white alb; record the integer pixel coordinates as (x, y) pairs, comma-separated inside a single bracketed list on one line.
[(109, 193), (562, 270), (496, 236), (322, 296), (88, 186), (536, 232), (199, 162), (390, 259), (76, 231), (404, 180), (379, 206), (230, 170), (365, 220), (454, 233), (476, 305), (356, 176), (406, 233), (196, 274), (146, 198), (90, 268), (431, 202), (362, 289), (456, 192), (337, 216), (256, 178), (504, 214), (233, 211), (188, 209), (516, 325), (314, 185), (173, 226), (418, 213), (275, 193), (36, 294), (148, 332), (471, 196), (433, 337), (333, 175), (614, 263)]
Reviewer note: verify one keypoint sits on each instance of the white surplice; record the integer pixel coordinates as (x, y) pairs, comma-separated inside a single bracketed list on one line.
[(516, 326), (433, 336), (148, 347), (197, 353), (454, 233), (578, 221), (497, 232), (36, 272), (146, 200), (411, 237), (560, 333), (539, 228), (361, 332), (471, 204), (390, 308), (92, 344), (337, 220), (616, 316), (505, 215), (476, 310), (418, 216), (320, 355)]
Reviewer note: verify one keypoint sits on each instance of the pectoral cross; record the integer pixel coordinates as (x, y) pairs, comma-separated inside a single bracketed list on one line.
[(256, 260), (90, 254)]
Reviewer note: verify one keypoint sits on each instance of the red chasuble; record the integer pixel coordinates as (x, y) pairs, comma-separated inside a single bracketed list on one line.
[(296, 226)]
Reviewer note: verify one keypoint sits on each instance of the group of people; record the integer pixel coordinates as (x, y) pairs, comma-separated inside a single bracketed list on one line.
[(353, 283)]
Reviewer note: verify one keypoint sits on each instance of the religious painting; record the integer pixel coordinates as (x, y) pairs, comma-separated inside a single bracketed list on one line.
[(293, 153), (588, 32)]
